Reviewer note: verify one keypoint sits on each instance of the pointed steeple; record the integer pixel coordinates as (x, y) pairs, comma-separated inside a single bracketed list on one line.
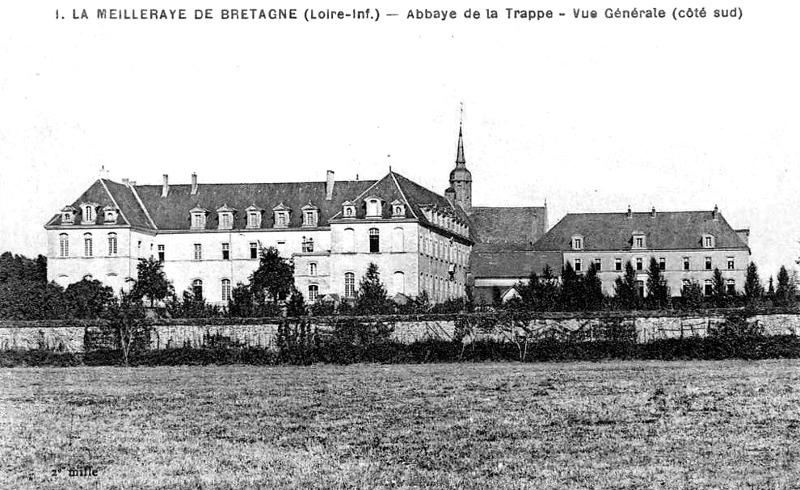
[(460, 177), (461, 162)]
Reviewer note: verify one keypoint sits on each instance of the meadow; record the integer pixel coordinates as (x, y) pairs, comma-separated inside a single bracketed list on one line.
[(638, 424)]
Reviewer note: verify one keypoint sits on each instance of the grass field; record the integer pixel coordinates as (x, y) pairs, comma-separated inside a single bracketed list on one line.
[(581, 425)]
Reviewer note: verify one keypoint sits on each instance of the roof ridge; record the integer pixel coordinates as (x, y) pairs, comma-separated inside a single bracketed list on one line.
[(403, 194), (255, 183), (144, 208), (110, 195)]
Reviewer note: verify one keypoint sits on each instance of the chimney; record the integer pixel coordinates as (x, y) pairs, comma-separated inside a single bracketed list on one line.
[(630, 214), (653, 212), (165, 186), (715, 213), (744, 235), (194, 183), (329, 186)]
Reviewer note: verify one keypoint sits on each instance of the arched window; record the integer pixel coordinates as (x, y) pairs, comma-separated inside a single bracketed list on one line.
[(87, 245), (226, 290), (349, 285), (397, 240), (197, 288), (374, 240), (349, 240), (730, 287), (312, 269), (63, 245), (399, 282), (313, 293), (112, 244)]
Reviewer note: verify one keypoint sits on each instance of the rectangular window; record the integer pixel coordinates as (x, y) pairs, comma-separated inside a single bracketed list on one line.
[(617, 264), (731, 287), (640, 288), (161, 253), (253, 250), (730, 264), (598, 264), (708, 289), (639, 242), (226, 221), (87, 246), (226, 290), (313, 293), (349, 284), (708, 242), (577, 265), (198, 251), (252, 220), (312, 269), (639, 264), (662, 263), (374, 240), (112, 244), (686, 263), (708, 263), (226, 251), (63, 240)]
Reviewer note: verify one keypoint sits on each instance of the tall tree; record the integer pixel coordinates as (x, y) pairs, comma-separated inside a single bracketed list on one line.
[(753, 290), (548, 290), (274, 278), (625, 289), (786, 290), (151, 281), (718, 292), (571, 289), (372, 298), (593, 288), (657, 289)]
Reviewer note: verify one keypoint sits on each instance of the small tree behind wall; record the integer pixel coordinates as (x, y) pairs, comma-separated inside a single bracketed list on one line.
[(151, 281), (274, 278), (372, 297)]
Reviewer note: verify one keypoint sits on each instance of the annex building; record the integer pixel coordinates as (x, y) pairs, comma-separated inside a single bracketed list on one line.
[(210, 236), (688, 246)]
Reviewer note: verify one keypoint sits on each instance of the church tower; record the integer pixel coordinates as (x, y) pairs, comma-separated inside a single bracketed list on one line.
[(461, 178)]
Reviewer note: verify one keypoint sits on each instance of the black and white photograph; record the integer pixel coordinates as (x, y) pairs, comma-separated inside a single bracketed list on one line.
[(469, 245)]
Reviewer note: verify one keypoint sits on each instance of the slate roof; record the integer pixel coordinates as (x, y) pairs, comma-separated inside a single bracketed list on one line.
[(97, 194), (172, 212), (508, 228), (509, 264), (671, 230)]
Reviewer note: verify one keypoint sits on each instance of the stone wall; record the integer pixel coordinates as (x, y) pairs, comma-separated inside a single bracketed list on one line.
[(69, 336)]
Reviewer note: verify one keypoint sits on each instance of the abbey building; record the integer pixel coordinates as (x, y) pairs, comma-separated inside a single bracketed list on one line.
[(210, 236)]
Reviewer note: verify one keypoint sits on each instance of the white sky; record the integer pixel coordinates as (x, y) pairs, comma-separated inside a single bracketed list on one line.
[(592, 115)]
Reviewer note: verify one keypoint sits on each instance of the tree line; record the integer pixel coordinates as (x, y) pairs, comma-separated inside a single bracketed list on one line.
[(583, 292)]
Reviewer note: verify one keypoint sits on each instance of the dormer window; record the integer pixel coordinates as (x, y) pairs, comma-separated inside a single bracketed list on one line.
[(708, 241), (198, 217), (254, 216), (68, 215), (310, 215), (308, 245), (348, 209), (225, 214), (638, 240), (89, 213), (373, 207), (398, 209), (577, 242), (110, 215), (281, 216)]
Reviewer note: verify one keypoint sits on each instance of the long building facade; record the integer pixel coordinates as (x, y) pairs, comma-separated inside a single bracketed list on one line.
[(210, 236)]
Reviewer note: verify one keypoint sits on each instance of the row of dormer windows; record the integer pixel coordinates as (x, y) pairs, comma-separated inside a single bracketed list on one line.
[(639, 241), (89, 213)]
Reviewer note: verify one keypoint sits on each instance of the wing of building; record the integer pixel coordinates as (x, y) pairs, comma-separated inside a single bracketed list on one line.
[(687, 245), (209, 236)]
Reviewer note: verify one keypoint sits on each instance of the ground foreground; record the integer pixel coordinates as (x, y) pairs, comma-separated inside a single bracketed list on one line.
[(730, 424)]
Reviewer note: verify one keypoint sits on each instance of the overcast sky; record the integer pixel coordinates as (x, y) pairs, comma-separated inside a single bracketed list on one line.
[(591, 115)]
